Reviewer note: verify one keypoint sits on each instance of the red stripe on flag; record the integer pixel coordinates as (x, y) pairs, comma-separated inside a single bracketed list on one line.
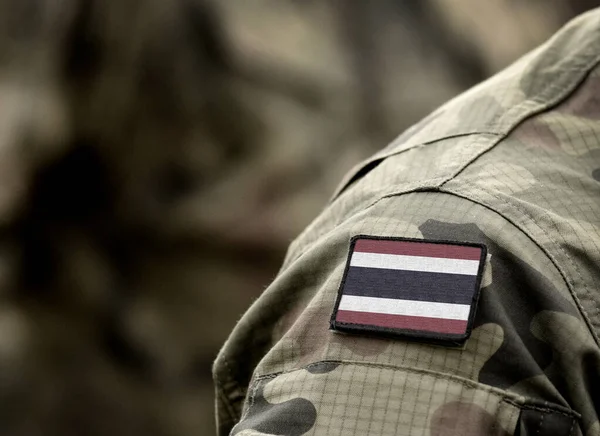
[(437, 325), (408, 248)]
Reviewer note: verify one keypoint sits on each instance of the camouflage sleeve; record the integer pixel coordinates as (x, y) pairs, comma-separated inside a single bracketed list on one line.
[(512, 165), (284, 372)]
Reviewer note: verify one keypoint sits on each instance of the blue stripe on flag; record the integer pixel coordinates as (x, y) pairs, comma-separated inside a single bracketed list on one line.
[(410, 285)]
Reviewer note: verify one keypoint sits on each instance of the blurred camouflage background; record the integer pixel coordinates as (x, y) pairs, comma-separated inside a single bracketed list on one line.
[(156, 158)]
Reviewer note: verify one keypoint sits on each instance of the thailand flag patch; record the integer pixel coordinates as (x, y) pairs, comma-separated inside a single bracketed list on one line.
[(410, 288)]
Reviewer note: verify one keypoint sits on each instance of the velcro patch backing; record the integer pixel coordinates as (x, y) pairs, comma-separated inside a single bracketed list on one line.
[(410, 288)]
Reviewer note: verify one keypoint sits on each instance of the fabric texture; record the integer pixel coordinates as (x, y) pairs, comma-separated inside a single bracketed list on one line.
[(513, 164)]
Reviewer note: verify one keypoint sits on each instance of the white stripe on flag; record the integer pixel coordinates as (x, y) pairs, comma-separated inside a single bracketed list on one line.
[(391, 306), (415, 263)]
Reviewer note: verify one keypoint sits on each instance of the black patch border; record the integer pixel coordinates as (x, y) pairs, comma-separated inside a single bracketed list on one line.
[(413, 335)]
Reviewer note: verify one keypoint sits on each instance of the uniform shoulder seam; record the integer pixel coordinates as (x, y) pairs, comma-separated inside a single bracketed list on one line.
[(558, 97)]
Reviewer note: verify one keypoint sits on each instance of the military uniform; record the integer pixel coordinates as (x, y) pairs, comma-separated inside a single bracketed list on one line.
[(514, 165)]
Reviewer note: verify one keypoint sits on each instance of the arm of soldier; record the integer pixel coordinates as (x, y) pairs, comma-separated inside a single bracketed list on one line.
[(284, 372)]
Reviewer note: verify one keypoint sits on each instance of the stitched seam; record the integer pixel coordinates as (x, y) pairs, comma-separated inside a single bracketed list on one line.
[(561, 96), (568, 283), (572, 427), (464, 381), (252, 398), (471, 384), (377, 159), (527, 406), (540, 424)]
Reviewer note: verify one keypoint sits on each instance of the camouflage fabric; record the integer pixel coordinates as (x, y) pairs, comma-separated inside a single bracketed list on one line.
[(515, 164)]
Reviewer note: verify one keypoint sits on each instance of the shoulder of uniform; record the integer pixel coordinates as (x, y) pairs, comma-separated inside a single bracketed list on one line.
[(532, 85)]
